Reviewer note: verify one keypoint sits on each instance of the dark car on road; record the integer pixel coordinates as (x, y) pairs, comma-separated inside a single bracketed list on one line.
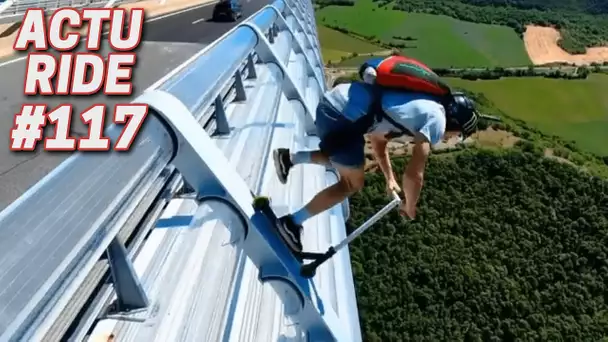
[(230, 10)]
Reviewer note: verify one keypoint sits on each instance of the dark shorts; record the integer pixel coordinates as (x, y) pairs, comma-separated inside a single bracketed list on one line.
[(349, 150)]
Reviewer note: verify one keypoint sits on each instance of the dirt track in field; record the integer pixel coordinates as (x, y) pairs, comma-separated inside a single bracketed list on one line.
[(541, 44)]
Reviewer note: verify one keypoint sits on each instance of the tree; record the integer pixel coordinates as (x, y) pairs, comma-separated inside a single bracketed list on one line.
[(507, 245)]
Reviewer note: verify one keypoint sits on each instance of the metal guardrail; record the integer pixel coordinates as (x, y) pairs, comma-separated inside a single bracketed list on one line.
[(53, 236)]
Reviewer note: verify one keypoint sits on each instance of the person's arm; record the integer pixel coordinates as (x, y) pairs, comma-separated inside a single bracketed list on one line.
[(413, 176), (380, 151)]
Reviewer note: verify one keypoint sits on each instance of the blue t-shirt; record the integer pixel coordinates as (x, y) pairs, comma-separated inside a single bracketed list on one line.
[(419, 113)]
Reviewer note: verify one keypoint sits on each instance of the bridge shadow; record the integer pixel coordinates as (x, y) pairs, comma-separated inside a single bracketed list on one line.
[(10, 30), (262, 124), (189, 221), (178, 221)]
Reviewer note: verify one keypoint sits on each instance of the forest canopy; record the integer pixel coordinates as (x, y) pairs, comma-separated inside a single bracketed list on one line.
[(506, 246), (583, 6)]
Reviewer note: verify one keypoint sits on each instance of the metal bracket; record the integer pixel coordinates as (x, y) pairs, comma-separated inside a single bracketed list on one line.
[(221, 120), (129, 292), (251, 73), (239, 87), (291, 91)]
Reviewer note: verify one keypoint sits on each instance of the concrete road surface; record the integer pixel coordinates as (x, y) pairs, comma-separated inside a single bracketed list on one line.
[(167, 42)]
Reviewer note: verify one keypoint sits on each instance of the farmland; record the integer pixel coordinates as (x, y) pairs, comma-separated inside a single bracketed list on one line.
[(440, 41), (508, 243), (336, 44), (572, 109)]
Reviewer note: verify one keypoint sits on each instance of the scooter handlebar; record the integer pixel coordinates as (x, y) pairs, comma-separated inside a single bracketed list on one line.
[(396, 197), (377, 216)]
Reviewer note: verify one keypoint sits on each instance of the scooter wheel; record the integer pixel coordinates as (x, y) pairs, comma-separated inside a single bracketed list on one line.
[(308, 271), (261, 202)]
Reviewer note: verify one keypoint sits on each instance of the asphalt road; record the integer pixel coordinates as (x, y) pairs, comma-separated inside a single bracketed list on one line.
[(166, 43)]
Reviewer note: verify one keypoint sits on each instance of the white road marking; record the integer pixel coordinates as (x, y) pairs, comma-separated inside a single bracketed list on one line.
[(198, 21), (148, 21)]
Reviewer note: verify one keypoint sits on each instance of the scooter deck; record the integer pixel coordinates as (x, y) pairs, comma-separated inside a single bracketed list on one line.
[(262, 205)]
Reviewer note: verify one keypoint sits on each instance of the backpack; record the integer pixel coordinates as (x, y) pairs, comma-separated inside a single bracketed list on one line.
[(407, 74), (404, 74)]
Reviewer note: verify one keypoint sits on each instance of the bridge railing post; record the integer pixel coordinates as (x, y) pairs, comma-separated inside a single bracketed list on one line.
[(129, 292), (291, 91), (302, 46), (305, 20)]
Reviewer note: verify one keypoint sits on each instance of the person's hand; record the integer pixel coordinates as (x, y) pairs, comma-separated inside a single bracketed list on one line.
[(392, 186), (407, 210)]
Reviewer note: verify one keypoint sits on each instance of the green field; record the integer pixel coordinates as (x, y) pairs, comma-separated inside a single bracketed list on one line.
[(572, 109), (335, 44), (440, 41)]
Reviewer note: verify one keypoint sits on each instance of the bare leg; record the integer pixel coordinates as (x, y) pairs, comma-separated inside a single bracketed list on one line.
[(318, 157), (310, 157), (284, 161), (351, 181)]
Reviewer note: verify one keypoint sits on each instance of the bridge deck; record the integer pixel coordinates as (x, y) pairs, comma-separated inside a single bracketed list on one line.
[(201, 287)]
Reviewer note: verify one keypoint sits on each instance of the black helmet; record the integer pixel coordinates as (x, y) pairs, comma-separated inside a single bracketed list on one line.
[(462, 115)]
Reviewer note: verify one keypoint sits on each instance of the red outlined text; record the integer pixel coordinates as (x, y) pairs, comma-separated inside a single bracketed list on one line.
[(30, 122), (79, 69)]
